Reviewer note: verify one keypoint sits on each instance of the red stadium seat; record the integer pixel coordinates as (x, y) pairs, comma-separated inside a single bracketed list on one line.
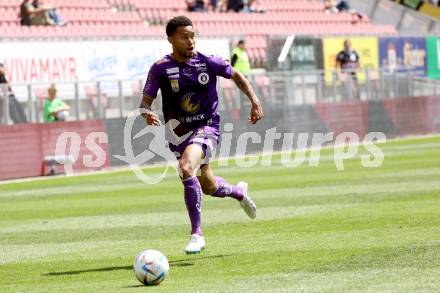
[(119, 18)]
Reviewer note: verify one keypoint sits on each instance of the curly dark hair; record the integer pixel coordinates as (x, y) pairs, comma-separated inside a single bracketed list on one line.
[(175, 22)]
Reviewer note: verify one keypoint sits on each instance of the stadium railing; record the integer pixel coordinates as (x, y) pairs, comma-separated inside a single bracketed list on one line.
[(117, 98)]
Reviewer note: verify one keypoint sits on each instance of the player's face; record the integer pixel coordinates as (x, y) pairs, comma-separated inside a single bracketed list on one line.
[(184, 41)]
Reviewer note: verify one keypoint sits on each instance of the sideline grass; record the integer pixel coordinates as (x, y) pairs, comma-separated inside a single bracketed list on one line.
[(318, 229)]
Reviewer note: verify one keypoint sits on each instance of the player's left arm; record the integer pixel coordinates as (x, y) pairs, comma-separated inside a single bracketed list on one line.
[(245, 86)]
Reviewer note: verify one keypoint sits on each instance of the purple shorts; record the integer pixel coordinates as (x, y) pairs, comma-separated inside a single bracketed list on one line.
[(205, 136)]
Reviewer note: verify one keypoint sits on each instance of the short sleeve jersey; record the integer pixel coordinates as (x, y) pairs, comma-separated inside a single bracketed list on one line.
[(50, 107), (348, 60), (189, 92)]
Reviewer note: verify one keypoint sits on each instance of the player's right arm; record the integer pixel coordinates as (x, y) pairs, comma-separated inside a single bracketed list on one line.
[(149, 94), (150, 116)]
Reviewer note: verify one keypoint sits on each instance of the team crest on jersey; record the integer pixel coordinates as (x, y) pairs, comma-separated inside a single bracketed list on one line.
[(175, 85), (189, 106), (203, 78)]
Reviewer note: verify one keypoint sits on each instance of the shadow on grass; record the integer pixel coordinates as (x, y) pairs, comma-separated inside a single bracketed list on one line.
[(134, 286), (174, 263)]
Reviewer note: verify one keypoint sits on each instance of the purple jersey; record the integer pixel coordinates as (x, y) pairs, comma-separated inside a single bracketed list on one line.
[(189, 92)]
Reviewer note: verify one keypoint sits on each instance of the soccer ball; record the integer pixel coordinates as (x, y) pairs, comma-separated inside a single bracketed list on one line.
[(151, 267)]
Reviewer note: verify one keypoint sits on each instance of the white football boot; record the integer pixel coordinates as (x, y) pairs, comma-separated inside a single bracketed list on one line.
[(196, 244), (247, 204)]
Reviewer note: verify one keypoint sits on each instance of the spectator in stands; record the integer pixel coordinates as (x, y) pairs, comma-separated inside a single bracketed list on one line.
[(213, 5), (253, 6), (54, 109), (343, 6), (235, 5), (51, 12), (38, 13), (347, 63), (330, 6), (240, 58), (29, 15), (16, 112), (222, 6), (195, 5)]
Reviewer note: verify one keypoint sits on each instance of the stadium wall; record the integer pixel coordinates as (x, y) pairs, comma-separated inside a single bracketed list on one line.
[(394, 117), (24, 146)]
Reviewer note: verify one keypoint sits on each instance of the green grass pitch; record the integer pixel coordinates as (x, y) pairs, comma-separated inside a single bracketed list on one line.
[(317, 229)]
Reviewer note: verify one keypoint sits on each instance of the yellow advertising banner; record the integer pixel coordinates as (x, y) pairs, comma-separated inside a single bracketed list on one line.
[(431, 10), (366, 47)]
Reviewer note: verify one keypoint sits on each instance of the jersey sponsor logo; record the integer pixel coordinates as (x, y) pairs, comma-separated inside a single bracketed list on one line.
[(175, 85), (200, 67), (172, 70), (174, 76), (189, 106), (190, 119), (203, 78)]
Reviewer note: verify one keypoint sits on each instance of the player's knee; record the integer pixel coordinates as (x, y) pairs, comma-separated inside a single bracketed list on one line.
[(186, 168), (208, 188)]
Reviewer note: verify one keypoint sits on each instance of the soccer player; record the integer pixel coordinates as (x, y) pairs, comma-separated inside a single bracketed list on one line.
[(187, 80)]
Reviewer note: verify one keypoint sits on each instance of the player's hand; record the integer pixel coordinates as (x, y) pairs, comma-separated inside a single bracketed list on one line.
[(152, 118), (256, 113)]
